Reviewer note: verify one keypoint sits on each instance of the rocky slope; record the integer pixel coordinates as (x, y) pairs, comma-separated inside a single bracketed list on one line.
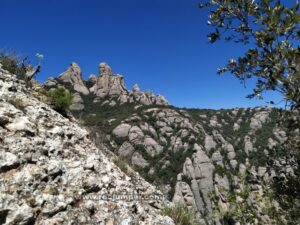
[(220, 162), (52, 173), (199, 158)]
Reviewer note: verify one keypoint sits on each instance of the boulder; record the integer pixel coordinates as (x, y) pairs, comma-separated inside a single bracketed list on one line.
[(92, 83), (136, 135), (125, 150), (122, 130), (209, 143), (152, 147), (138, 160)]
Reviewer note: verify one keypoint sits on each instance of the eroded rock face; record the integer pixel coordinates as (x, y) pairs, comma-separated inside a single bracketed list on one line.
[(51, 82), (93, 83), (73, 76), (109, 84), (138, 160), (135, 89), (51, 173), (121, 131), (104, 69), (209, 154), (77, 103), (107, 87), (125, 150)]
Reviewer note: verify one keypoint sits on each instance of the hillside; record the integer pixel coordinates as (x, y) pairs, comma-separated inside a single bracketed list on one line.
[(52, 173), (220, 162)]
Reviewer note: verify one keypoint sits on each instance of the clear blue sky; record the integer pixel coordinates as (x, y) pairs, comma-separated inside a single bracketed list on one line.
[(159, 44)]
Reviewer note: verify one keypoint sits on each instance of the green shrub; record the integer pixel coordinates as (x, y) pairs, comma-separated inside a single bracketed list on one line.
[(61, 99), (180, 214)]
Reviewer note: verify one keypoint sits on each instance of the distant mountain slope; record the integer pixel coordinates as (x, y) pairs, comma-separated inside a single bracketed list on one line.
[(217, 161)]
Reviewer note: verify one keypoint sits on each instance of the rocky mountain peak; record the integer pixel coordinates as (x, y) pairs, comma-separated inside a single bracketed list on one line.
[(73, 76), (107, 87), (104, 69), (136, 88), (92, 79)]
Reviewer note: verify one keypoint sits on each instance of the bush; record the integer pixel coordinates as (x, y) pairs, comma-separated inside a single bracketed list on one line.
[(180, 215), (61, 99), (13, 64)]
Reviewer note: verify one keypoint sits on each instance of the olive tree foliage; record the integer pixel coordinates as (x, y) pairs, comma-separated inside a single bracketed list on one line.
[(270, 31)]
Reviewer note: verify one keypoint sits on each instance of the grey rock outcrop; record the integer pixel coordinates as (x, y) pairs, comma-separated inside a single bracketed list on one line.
[(107, 88), (122, 130), (152, 147), (126, 150), (77, 103), (109, 84), (73, 76), (93, 82), (51, 82), (138, 160), (135, 89)]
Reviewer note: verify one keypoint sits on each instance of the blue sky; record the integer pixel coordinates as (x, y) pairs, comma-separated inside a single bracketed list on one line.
[(159, 44)]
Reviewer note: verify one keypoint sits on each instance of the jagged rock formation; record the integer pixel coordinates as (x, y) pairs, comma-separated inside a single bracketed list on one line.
[(108, 84), (73, 76), (77, 103), (51, 173), (216, 161), (107, 88), (199, 156)]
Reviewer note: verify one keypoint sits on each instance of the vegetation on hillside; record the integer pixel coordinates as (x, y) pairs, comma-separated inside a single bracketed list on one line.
[(61, 100), (180, 214), (13, 63)]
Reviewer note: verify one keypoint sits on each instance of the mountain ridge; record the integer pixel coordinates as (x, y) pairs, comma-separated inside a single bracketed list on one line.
[(202, 158), (107, 86)]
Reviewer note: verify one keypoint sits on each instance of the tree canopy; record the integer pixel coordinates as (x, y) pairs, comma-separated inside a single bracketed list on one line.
[(270, 32)]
